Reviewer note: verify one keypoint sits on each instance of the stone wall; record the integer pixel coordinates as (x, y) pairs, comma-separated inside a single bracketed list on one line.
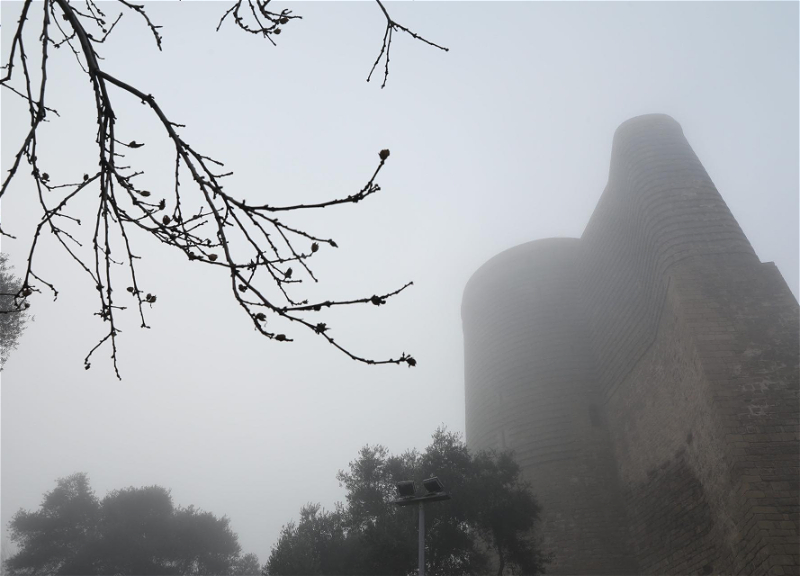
[(646, 375)]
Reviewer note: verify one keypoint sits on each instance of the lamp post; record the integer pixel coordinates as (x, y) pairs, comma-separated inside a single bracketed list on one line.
[(406, 491)]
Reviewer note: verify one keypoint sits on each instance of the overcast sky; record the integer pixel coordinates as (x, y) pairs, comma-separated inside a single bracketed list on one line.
[(503, 140)]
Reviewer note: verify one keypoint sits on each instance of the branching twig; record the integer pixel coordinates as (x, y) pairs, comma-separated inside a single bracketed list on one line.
[(391, 26), (264, 23)]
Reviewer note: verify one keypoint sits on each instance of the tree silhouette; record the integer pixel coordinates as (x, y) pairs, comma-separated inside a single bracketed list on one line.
[(130, 531), (485, 528), (262, 254)]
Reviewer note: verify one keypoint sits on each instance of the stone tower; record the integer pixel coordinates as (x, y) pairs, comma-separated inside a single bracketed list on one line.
[(646, 376)]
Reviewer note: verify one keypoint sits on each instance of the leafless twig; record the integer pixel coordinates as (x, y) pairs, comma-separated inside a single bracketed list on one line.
[(391, 26)]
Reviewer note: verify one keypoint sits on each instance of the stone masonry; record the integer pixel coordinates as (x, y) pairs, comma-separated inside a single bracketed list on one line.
[(645, 375)]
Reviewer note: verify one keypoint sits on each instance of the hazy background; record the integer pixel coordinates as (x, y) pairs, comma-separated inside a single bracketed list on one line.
[(504, 139)]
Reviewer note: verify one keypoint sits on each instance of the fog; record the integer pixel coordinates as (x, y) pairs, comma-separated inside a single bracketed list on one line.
[(504, 139)]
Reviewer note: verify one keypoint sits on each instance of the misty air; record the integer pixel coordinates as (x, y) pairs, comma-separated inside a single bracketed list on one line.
[(401, 288)]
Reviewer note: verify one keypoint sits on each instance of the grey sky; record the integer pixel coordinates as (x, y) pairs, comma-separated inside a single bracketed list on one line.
[(504, 139)]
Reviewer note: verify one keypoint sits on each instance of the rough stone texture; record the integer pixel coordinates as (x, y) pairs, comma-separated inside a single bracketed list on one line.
[(646, 376)]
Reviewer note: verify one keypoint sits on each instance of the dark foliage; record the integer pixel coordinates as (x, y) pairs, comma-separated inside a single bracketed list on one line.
[(263, 255), (247, 565), (486, 527), (13, 310), (130, 531)]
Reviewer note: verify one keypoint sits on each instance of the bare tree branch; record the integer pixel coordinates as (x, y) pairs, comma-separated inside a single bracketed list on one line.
[(254, 247)]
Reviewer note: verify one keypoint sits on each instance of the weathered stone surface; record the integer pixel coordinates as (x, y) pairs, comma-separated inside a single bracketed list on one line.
[(646, 376)]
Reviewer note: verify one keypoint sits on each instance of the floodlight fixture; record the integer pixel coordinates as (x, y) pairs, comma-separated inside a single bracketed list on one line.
[(433, 485), (405, 488)]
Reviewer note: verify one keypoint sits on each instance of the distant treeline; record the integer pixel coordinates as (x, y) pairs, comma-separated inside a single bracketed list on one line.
[(130, 531)]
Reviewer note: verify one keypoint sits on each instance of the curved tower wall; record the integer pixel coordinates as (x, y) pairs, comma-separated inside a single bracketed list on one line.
[(661, 325), (698, 342), (659, 209), (531, 387)]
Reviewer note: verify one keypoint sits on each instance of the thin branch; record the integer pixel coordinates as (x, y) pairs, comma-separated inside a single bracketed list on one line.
[(391, 26)]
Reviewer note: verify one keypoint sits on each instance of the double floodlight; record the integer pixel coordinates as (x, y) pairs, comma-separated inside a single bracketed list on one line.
[(406, 490), (407, 496)]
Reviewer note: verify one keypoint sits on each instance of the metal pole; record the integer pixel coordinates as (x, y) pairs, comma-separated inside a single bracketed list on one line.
[(421, 539)]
